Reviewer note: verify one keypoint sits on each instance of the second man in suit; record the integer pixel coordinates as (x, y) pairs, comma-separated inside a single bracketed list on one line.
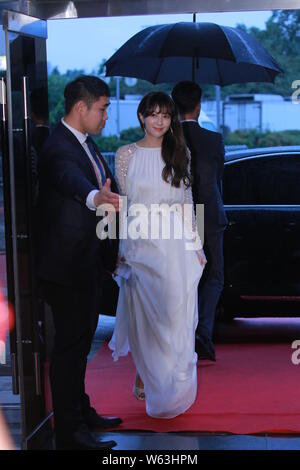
[(207, 163)]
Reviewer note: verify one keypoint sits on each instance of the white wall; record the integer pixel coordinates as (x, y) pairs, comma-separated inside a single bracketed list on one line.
[(128, 116), (280, 116), (276, 115)]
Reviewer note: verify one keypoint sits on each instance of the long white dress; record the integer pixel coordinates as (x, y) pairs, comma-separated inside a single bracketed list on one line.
[(157, 309)]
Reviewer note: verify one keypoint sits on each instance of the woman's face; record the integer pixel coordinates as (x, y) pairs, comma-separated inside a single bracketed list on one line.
[(157, 124)]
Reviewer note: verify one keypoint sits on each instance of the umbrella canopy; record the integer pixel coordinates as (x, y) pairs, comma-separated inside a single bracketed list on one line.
[(203, 52)]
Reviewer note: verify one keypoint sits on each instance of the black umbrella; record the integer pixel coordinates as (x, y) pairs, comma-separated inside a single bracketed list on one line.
[(203, 52)]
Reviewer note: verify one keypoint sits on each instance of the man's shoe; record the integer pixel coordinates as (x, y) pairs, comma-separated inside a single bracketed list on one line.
[(205, 349), (205, 355), (83, 440), (95, 421)]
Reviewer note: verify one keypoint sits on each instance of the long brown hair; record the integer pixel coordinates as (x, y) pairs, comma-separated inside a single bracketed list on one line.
[(174, 150)]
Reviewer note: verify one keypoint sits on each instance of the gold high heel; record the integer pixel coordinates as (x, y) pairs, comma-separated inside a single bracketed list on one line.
[(138, 392)]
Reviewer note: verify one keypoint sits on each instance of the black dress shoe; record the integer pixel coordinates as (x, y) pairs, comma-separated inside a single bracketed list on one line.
[(205, 355), (205, 349), (95, 421), (83, 440)]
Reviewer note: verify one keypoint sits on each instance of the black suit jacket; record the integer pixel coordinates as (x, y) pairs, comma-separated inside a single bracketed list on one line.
[(69, 250), (207, 165)]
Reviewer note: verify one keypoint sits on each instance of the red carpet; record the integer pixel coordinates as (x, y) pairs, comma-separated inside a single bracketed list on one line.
[(252, 388)]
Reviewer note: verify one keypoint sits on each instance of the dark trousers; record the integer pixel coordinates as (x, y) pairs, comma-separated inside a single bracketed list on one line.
[(75, 314), (211, 283)]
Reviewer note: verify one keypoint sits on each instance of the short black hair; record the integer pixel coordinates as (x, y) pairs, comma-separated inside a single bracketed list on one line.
[(186, 96), (87, 88)]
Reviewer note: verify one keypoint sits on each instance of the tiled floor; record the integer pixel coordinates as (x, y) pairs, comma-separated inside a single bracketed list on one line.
[(286, 330)]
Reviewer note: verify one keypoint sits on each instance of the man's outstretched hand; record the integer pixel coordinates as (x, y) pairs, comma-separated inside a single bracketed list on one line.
[(106, 196)]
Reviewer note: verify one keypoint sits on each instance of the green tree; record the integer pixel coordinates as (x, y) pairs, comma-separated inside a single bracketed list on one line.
[(282, 39), (253, 138), (112, 143)]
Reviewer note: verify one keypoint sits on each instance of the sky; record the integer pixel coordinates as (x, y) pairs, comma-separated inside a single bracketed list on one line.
[(83, 43)]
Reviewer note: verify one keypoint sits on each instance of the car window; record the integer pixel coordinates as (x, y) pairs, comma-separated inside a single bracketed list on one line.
[(263, 180)]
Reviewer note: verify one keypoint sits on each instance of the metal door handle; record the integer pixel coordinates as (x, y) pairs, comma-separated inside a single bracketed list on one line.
[(3, 99), (15, 378), (25, 96), (37, 373)]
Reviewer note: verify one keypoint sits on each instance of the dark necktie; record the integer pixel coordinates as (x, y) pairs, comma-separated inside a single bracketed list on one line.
[(96, 159)]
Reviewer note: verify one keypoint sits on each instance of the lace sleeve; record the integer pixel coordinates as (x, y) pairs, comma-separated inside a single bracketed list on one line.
[(189, 215), (122, 160)]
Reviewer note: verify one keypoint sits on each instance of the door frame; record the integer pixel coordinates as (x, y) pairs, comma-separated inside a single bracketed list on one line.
[(30, 27)]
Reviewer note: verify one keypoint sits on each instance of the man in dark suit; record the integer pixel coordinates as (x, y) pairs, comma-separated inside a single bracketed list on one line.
[(74, 181), (207, 163)]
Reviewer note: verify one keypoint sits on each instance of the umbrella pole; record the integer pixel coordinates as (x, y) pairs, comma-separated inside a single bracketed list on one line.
[(218, 102), (194, 58)]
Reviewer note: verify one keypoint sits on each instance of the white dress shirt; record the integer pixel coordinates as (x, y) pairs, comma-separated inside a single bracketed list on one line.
[(82, 138)]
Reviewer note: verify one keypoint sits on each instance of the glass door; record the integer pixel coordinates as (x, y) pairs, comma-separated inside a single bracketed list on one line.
[(26, 129)]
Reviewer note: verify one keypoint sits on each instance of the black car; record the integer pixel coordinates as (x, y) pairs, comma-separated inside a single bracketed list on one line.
[(261, 193)]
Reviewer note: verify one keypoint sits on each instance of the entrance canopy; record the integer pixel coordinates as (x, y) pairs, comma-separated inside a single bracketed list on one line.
[(53, 9)]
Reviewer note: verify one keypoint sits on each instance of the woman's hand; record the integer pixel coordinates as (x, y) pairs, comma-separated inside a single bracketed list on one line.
[(119, 261), (201, 257)]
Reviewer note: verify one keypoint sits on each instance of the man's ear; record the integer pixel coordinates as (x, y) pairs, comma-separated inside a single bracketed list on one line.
[(198, 108), (80, 106)]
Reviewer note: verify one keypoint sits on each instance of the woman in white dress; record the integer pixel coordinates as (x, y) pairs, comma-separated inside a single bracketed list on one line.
[(157, 307)]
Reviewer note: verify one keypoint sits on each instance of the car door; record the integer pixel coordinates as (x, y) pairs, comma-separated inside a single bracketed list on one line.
[(261, 246)]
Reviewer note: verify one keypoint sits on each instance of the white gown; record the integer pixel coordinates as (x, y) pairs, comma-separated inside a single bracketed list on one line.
[(157, 309)]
